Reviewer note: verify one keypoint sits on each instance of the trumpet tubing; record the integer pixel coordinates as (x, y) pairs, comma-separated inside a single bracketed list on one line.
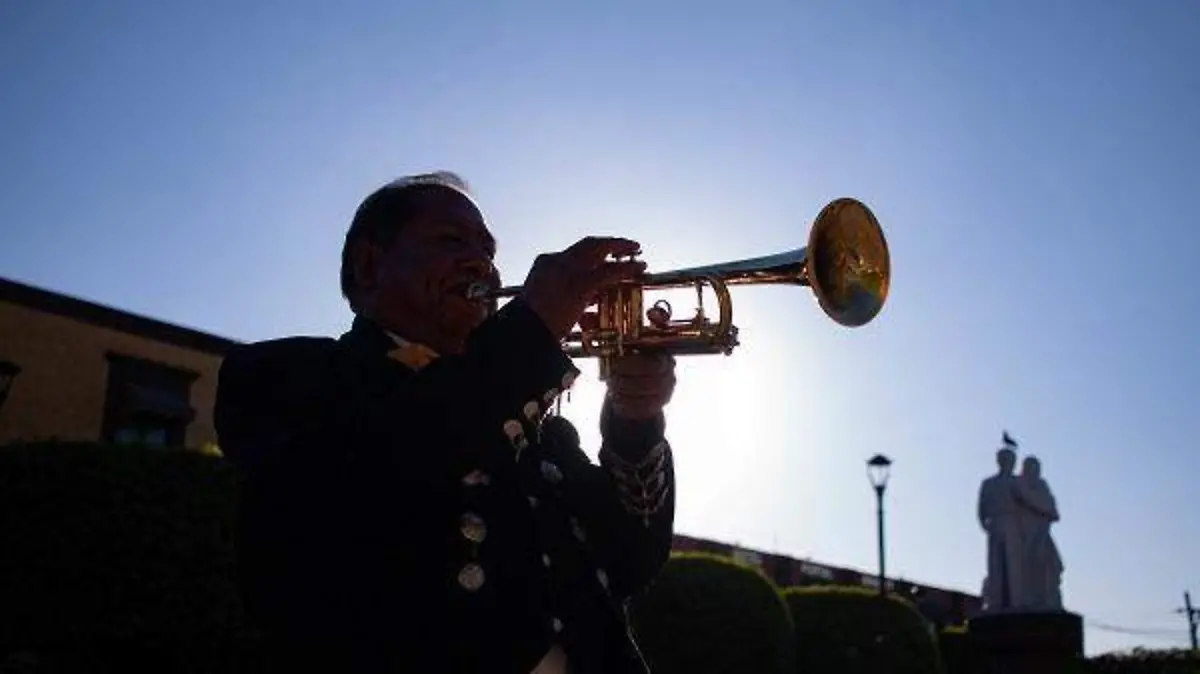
[(846, 264)]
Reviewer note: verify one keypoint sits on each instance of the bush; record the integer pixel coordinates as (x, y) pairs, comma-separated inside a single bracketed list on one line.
[(1144, 661), (707, 614), (852, 630), (958, 653), (121, 555)]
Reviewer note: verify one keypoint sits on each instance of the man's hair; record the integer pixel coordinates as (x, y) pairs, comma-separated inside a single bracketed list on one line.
[(382, 214)]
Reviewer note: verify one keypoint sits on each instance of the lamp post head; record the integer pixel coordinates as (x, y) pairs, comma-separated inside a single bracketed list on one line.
[(879, 468)]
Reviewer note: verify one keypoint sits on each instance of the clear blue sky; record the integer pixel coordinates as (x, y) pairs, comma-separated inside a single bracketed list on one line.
[(1034, 164)]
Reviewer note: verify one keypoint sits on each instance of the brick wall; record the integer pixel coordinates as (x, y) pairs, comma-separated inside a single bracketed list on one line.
[(61, 389)]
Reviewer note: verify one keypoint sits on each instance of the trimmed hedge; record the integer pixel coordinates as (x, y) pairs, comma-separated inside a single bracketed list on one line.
[(707, 614), (119, 555), (958, 652), (852, 630), (1145, 661)]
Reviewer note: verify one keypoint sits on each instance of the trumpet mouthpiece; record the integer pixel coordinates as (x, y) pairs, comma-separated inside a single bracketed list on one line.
[(478, 290)]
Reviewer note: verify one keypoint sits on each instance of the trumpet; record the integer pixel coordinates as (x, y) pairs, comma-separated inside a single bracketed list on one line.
[(846, 264)]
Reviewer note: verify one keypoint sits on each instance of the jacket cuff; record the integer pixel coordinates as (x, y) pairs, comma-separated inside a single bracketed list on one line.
[(630, 439), (644, 486)]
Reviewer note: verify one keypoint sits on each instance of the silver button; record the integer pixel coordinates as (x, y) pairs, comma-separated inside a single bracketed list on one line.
[(471, 577), (602, 576), (557, 624), (473, 528), (545, 560), (533, 501), (476, 478), (531, 410), (516, 435), (551, 472), (513, 428)]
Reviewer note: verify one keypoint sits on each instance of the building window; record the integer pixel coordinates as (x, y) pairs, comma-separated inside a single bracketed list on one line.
[(148, 403), (816, 573), (8, 375)]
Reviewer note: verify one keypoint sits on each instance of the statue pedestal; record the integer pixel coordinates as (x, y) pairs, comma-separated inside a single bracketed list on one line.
[(1029, 643)]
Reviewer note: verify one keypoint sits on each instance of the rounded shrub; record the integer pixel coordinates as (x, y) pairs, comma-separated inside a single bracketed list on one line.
[(707, 614), (119, 555), (853, 630), (958, 654)]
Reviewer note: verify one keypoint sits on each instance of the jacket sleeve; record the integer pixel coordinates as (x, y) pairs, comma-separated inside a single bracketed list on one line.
[(270, 402), (626, 504)]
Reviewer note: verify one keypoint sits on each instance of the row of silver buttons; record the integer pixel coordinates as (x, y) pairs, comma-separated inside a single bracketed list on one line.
[(473, 527)]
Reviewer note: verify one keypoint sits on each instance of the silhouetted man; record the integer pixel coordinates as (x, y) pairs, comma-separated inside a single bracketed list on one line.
[(409, 507), (998, 512)]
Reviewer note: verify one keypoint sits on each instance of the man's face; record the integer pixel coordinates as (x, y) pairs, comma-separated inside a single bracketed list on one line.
[(421, 279), (1006, 459)]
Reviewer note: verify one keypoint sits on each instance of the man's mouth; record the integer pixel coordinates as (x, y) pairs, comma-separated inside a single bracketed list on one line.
[(478, 291), (471, 290)]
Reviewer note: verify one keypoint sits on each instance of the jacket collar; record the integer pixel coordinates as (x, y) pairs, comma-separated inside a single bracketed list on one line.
[(371, 339)]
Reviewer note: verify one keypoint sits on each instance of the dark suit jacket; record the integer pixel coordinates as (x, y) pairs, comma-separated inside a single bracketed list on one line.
[(430, 520)]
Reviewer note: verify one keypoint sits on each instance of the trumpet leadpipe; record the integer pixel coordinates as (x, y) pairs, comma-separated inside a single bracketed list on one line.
[(480, 290), (846, 264)]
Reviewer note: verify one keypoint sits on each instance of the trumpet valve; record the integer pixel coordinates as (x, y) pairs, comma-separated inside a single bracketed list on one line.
[(659, 315)]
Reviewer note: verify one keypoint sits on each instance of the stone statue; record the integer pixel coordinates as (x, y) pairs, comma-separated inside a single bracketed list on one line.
[(1000, 515), (1043, 567)]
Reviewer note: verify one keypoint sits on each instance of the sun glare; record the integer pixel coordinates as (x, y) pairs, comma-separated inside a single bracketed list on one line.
[(737, 424)]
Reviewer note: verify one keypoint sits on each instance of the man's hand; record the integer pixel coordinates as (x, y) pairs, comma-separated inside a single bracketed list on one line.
[(560, 286), (641, 385)]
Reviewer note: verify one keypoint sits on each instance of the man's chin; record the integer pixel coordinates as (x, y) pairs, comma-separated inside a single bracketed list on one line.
[(459, 318), (461, 311)]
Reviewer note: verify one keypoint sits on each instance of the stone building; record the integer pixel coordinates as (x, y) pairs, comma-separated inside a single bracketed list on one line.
[(77, 370)]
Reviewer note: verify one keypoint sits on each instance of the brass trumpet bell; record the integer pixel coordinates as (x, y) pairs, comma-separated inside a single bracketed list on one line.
[(846, 264)]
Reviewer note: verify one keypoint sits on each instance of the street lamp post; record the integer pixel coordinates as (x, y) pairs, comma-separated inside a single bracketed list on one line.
[(8, 372), (878, 469)]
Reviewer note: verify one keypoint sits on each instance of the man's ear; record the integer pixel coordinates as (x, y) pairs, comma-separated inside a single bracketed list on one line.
[(364, 265)]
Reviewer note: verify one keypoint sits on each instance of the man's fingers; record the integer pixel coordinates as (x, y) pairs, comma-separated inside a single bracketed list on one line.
[(612, 273), (654, 387), (594, 250), (642, 383), (633, 404), (641, 394), (643, 364)]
